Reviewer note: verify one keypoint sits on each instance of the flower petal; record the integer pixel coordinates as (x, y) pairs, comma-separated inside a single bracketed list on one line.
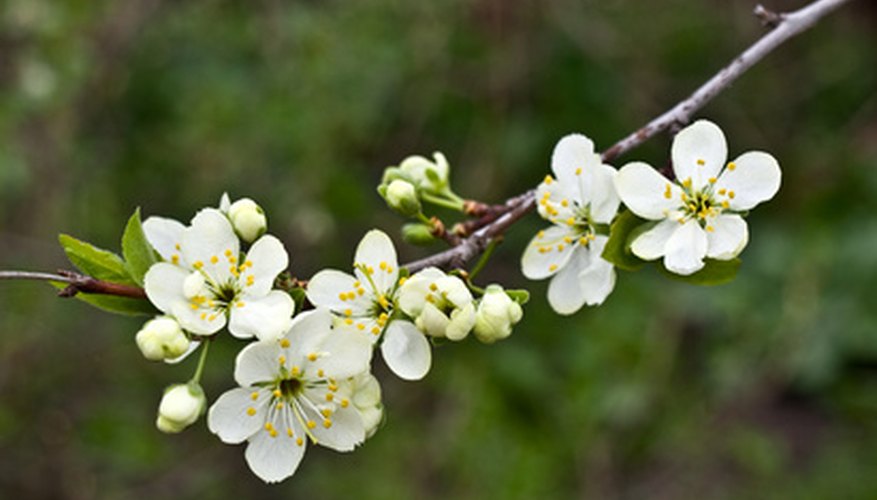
[(686, 249), (699, 152), (230, 418), (548, 252), (597, 280), (307, 332), (330, 288), (376, 251), (193, 346), (755, 178), (603, 197), (462, 321), (412, 294), (275, 458), (573, 153), (258, 362), (651, 244), (164, 286), (557, 199), (165, 236), (728, 237), (646, 192), (565, 294), (345, 429), (406, 351), (432, 321), (268, 258), (207, 240), (344, 353), (266, 318), (200, 320)]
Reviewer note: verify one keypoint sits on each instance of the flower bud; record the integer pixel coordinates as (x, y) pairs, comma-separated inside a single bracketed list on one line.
[(416, 233), (441, 305), (248, 219), (162, 338), (365, 392), (180, 407), (428, 175), (402, 197), (496, 315)]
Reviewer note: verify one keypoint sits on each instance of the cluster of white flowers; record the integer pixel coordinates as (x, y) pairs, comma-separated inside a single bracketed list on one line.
[(306, 377), (697, 216)]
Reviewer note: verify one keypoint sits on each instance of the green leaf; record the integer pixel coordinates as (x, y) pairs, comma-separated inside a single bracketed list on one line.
[(520, 296), (139, 254), (623, 231), (114, 304), (95, 262), (298, 296), (715, 272)]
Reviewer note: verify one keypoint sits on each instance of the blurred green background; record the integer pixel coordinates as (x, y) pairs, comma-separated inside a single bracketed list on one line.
[(763, 388)]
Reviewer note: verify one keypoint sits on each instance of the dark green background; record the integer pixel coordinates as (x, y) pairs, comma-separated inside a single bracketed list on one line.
[(763, 388)]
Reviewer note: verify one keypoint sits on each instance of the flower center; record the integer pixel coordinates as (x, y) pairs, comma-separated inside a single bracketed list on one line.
[(290, 387)]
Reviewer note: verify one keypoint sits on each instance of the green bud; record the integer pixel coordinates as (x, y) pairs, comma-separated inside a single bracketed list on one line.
[(402, 197), (418, 234)]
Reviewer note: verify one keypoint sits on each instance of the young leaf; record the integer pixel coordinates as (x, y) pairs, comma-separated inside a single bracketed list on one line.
[(715, 272), (95, 262), (626, 227), (139, 254), (114, 304)]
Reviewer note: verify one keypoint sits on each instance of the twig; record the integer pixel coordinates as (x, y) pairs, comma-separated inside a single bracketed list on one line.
[(785, 26), (78, 283)]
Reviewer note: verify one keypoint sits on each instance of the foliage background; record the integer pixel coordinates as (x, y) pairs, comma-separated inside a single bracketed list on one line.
[(765, 387)]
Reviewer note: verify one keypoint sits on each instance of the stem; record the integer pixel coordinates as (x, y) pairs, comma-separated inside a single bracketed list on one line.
[(484, 258), (785, 27), (201, 359), (78, 283), (443, 202)]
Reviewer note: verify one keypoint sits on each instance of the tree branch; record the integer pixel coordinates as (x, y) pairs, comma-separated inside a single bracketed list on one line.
[(785, 26), (78, 283)]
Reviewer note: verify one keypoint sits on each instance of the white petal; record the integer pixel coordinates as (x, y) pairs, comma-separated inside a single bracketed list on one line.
[(557, 199), (699, 152), (325, 289), (193, 346), (754, 179), (597, 280), (432, 321), (345, 431), (207, 240), (603, 197), (229, 419), (164, 286), (276, 458), (406, 351), (224, 203), (572, 153), (412, 294), (565, 294), (375, 249), (728, 237), (646, 192), (258, 362), (265, 317), (307, 333), (554, 255), (344, 353), (165, 236), (462, 321), (686, 249), (269, 259), (453, 289), (651, 244), (201, 320)]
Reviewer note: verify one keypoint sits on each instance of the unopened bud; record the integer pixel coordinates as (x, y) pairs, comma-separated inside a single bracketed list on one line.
[(248, 219), (418, 234), (402, 197), (161, 339), (180, 407), (429, 175), (496, 315)]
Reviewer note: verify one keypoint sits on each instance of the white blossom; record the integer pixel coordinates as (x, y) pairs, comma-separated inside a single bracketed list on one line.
[(497, 314), (366, 301), (441, 305), (580, 201), (700, 215), (162, 339), (180, 407), (289, 393), (212, 284)]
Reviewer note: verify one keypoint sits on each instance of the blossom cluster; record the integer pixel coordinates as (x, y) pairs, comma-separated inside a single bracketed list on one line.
[(687, 221), (306, 377)]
